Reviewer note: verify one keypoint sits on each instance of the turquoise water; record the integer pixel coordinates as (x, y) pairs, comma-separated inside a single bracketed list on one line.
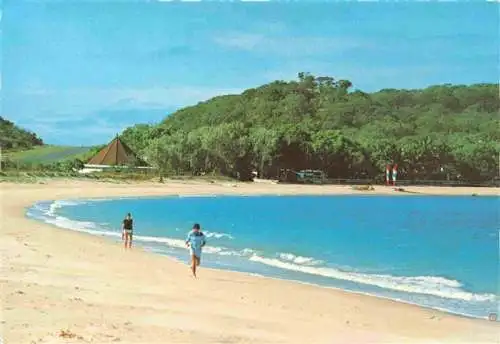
[(435, 251)]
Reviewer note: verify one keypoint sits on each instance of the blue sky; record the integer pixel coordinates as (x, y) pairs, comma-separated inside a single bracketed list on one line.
[(79, 72)]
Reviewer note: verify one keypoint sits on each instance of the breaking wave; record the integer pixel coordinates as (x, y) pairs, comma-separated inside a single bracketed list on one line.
[(430, 285), (424, 285), (217, 235)]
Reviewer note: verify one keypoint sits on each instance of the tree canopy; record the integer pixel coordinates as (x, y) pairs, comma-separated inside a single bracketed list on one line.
[(13, 137), (440, 132)]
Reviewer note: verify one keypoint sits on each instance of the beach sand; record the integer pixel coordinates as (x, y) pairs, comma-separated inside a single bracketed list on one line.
[(60, 286)]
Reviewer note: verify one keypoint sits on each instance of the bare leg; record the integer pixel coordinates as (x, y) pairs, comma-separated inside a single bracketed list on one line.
[(193, 264), (130, 241)]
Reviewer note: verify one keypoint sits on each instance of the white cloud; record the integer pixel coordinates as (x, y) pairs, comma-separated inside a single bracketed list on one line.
[(98, 113), (81, 101), (171, 96), (82, 135), (241, 41), (53, 119), (288, 45), (66, 129)]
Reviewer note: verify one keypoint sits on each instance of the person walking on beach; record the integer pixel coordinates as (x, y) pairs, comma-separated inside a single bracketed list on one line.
[(127, 230), (195, 241), (394, 174)]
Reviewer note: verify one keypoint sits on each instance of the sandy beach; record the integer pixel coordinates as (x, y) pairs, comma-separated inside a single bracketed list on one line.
[(60, 286)]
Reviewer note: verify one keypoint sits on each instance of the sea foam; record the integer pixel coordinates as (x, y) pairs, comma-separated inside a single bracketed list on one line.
[(426, 285), (429, 285), (290, 257), (217, 235)]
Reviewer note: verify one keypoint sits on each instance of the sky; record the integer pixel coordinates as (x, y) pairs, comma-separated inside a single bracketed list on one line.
[(80, 72)]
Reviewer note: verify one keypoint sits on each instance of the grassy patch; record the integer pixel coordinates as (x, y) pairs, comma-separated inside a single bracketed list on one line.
[(47, 154)]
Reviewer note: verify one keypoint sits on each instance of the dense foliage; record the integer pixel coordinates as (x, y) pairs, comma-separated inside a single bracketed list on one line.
[(13, 137), (441, 132)]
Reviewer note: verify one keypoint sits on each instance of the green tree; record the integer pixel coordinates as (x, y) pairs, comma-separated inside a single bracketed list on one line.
[(445, 131)]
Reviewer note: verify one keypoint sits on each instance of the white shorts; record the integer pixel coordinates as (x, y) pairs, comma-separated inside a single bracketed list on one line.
[(195, 253)]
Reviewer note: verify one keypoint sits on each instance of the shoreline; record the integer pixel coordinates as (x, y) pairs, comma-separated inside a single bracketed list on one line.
[(410, 323), (144, 248)]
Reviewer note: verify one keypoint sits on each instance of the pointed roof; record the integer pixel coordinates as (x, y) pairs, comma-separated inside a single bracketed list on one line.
[(115, 153)]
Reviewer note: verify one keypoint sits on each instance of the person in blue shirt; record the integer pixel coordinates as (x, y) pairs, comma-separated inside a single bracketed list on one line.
[(195, 241)]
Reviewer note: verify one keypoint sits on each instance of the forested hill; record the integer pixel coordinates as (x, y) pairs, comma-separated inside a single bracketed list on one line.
[(439, 132), (11, 136)]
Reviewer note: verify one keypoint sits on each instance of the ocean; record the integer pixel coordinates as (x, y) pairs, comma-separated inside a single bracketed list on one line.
[(440, 252)]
